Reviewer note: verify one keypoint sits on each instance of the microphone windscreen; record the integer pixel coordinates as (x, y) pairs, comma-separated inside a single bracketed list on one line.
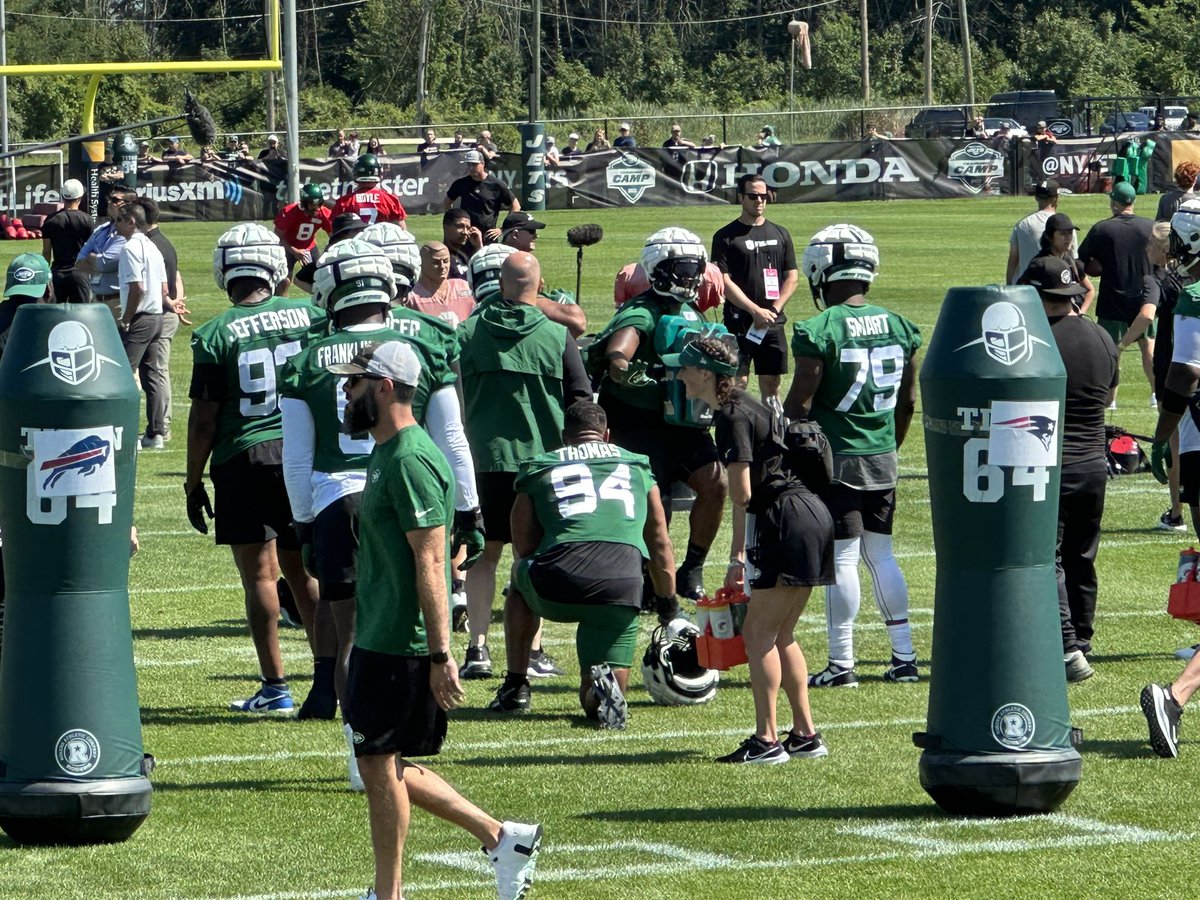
[(584, 235)]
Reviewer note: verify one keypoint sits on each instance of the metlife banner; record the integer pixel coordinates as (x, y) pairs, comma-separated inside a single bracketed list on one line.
[(801, 173)]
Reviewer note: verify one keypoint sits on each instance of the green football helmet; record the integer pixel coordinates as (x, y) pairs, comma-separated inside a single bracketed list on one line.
[(366, 168), (311, 193)]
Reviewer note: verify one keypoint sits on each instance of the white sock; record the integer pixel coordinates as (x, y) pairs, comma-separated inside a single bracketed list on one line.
[(841, 603), (891, 592), (356, 782)]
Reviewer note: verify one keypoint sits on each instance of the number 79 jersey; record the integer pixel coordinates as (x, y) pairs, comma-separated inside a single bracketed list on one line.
[(236, 361), (863, 351), (588, 492)]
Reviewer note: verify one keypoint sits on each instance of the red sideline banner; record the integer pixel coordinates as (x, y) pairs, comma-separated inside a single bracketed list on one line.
[(800, 173)]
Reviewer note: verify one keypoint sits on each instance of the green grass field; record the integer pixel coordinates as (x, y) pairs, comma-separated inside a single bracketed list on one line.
[(248, 808)]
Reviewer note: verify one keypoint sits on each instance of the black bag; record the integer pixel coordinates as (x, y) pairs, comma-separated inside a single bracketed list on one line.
[(1123, 453), (807, 454)]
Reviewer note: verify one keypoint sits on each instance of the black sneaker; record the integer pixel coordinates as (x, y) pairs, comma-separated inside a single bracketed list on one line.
[(833, 675), (318, 705), (511, 697), (1162, 715), (805, 747), (755, 751), (902, 670), (542, 665), (478, 663), (1167, 522)]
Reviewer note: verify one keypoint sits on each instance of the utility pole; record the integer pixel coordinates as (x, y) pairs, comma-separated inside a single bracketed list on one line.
[(4, 83), (535, 74), (929, 52), (422, 58), (966, 49), (270, 76), (866, 58), (291, 93)]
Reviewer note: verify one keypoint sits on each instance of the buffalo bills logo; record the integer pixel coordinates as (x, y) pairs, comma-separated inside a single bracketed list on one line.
[(1041, 427), (85, 456)]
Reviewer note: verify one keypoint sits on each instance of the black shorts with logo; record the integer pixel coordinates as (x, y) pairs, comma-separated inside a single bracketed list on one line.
[(770, 356), (390, 706), (856, 511), (496, 498), (335, 547), (791, 543), (251, 501)]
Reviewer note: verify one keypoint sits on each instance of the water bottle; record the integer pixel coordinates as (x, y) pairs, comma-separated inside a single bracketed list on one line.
[(720, 618), (1187, 564), (702, 617)]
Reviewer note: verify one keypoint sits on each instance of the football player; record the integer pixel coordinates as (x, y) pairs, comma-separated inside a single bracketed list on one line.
[(368, 200), (674, 260), (584, 520), (297, 225), (324, 467), (235, 421), (859, 384)]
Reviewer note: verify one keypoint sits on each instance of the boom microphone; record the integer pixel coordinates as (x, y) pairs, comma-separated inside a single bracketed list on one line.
[(199, 121), (584, 235)]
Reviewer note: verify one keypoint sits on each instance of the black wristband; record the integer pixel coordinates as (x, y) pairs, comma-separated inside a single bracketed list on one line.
[(440, 658), (468, 519)]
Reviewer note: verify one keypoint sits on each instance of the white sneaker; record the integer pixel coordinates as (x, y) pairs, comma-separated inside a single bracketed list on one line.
[(356, 782), (1153, 402), (514, 859), (152, 443)]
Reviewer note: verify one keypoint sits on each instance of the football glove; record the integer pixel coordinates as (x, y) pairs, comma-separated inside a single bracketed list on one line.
[(636, 375), (198, 505), (1160, 460), (467, 532)]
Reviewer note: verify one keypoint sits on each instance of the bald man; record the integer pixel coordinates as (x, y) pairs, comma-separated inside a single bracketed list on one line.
[(435, 292), (520, 371)]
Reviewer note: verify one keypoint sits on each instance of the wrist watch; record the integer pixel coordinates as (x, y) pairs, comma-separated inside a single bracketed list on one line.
[(439, 658)]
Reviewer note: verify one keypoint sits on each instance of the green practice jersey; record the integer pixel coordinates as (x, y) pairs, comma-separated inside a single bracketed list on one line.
[(409, 487), (1188, 303), (641, 314), (237, 358), (437, 336), (863, 351), (305, 378), (588, 492)]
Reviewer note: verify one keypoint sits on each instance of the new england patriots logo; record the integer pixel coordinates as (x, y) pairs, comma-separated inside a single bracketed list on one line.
[(86, 456), (1040, 427)]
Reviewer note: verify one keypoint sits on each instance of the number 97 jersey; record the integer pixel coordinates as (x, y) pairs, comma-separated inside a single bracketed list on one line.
[(863, 351), (588, 492)]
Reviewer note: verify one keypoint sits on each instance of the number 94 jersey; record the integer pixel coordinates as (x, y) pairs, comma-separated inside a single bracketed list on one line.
[(588, 492), (863, 351), (236, 361)]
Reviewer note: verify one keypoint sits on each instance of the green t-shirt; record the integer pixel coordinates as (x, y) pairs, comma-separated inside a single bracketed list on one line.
[(305, 378), (1188, 303), (642, 314), (409, 487), (863, 351), (512, 374), (237, 358), (588, 492)]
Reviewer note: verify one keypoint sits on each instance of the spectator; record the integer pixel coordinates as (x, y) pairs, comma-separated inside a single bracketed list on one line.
[(271, 151), (64, 234), (1115, 249), (1002, 139), (1093, 369), (709, 147), (1160, 124), (155, 370), (625, 141), (144, 158), (375, 146), (398, 690), (176, 154), (482, 195), (979, 128), (230, 151), (428, 148), (354, 144), (677, 141), (143, 279), (572, 149), (462, 239), (340, 147), (767, 139), (1191, 122), (100, 255), (487, 146), (1187, 174), (520, 371), (1043, 135), (436, 293), (599, 142), (1024, 240), (458, 143), (552, 156)]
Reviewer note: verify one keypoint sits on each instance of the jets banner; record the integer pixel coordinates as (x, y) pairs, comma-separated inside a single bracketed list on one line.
[(798, 173)]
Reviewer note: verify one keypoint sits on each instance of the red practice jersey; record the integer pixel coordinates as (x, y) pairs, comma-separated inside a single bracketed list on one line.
[(299, 228), (374, 205)]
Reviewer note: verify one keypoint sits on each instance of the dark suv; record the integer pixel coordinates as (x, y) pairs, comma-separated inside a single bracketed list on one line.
[(938, 122)]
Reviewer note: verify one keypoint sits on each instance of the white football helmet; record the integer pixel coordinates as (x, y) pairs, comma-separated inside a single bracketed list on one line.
[(351, 273), (399, 246), (839, 253), (249, 250), (674, 260), (672, 672), (1185, 235), (484, 270)]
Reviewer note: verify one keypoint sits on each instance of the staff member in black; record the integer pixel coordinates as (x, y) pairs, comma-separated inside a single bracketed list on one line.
[(758, 261), (482, 195)]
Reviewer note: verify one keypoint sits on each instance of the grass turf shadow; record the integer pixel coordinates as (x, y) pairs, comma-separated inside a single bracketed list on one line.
[(674, 814), (592, 759)]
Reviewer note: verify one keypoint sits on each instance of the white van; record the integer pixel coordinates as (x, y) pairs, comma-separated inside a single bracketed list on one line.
[(1173, 115)]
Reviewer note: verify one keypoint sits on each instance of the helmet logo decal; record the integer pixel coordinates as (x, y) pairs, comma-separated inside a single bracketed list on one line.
[(630, 176), (71, 354), (1005, 337)]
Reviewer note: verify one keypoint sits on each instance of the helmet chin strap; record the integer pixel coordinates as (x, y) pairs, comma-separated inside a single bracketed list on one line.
[(1186, 271)]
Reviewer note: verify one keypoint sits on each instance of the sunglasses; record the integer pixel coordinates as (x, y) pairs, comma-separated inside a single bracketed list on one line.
[(353, 380), (755, 196)]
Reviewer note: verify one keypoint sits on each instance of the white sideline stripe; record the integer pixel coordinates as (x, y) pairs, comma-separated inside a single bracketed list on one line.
[(590, 740), (680, 860), (187, 589)]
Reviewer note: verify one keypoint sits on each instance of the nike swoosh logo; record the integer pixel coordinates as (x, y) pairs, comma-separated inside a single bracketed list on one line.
[(421, 513)]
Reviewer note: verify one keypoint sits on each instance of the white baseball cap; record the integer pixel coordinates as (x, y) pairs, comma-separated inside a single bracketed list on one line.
[(72, 189), (272, 137), (395, 360)]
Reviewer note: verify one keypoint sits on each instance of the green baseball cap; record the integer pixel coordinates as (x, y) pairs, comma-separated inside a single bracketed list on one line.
[(28, 276), (693, 356), (1123, 193)]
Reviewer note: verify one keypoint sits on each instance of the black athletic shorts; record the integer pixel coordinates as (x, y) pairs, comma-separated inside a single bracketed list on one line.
[(335, 547), (251, 500), (770, 356), (791, 544), (1189, 479), (857, 511), (390, 706), (589, 572), (675, 451), (496, 499)]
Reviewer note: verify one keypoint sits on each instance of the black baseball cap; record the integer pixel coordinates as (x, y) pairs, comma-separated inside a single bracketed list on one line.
[(1060, 222), (521, 221), (1053, 276), (346, 225), (1047, 188)]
